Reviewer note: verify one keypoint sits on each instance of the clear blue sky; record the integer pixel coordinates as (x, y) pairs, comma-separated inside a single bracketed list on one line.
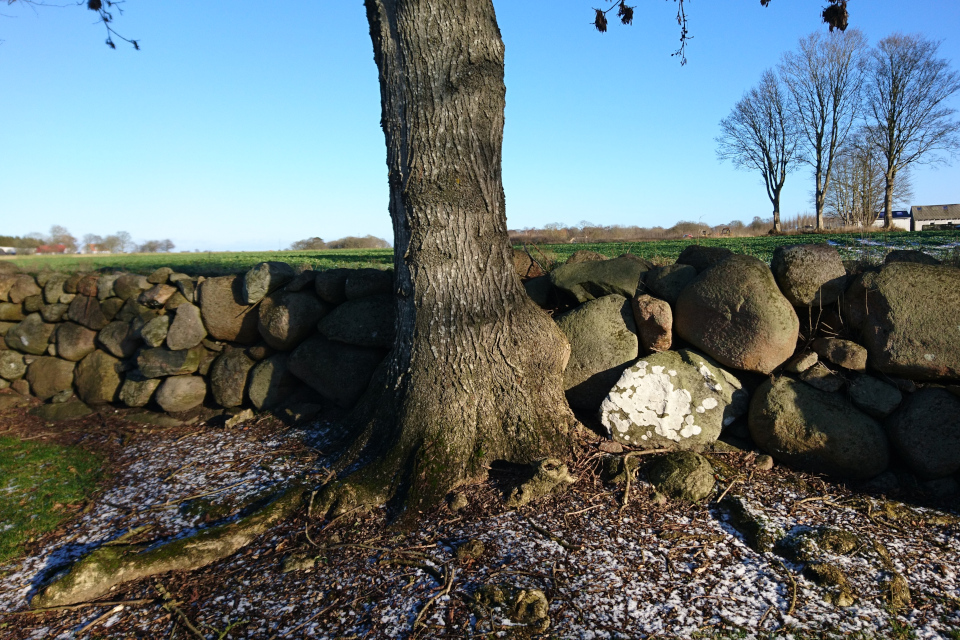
[(257, 125)]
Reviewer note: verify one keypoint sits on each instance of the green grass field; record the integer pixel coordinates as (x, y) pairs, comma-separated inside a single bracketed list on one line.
[(38, 484), (868, 246)]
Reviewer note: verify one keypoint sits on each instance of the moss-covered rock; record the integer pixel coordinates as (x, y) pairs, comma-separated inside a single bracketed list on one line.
[(683, 475), (548, 476), (809, 274), (584, 281), (758, 531)]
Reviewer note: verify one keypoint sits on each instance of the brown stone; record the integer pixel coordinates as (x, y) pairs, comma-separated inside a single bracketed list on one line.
[(654, 320), (525, 265), (157, 296), (75, 341), (86, 310), (86, 286), (23, 287), (224, 314), (49, 376), (97, 378), (842, 353)]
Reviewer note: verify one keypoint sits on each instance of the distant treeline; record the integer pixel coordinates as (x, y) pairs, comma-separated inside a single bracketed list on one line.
[(350, 242), (19, 243), (555, 233)]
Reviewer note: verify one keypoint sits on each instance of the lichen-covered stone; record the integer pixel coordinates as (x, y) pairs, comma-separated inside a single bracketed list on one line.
[(735, 313), (816, 431), (683, 475), (809, 274), (119, 339), (925, 433), (820, 377), (667, 282), (53, 288), (187, 330), (130, 286), (160, 362), (32, 335), (154, 333), (265, 278), (228, 377), (156, 296), (97, 378), (62, 411), (160, 276), (675, 399), (603, 342), (286, 319), (136, 392), (12, 366), (54, 312)]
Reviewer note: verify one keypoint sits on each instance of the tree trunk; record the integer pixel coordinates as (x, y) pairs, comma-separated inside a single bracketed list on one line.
[(476, 372), (777, 228), (890, 180), (820, 198)]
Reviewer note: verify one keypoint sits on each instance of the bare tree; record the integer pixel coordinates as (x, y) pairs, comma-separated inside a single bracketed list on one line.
[(855, 194), (908, 121), (825, 76), (761, 133), (125, 242), (60, 235)]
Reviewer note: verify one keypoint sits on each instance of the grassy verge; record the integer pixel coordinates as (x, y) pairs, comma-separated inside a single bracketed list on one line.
[(40, 487)]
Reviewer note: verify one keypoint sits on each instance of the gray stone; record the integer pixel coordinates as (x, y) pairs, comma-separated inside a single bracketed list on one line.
[(702, 258), (816, 431), (160, 276), (271, 382), (129, 286), (53, 288), (225, 315), (12, 366), (137, 393), (286, 319), (842, 353), (809, 274), (264, 279), (62, 411), (330, 285), (30, 336), (228, 377), (909, 313), (181, 393), (160, 362), (174, 301), (603, 342), (735, 313), (97, 378), (910, 255), (156, 296), (10, 312), (53, 312), (367, 322), (105, 286), (758, 531), (667, 282), (874, 397), (361, 283), (802, 362), (925, 433), (86, 310), (820, 377), (654, 320), (154, 333), (23, 287), (585, 281), (683, 475), (675, 399), (187, 288), (49, 376), (339, 372), (119, 339), (186, 330)]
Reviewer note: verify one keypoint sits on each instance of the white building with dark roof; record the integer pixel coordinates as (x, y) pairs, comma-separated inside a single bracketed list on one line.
[(901, 220), (938, 214)]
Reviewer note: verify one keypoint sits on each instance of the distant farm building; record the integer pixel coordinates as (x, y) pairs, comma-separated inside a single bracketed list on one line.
[(52, 248), (8, 251), (936, 216), (901, 220)]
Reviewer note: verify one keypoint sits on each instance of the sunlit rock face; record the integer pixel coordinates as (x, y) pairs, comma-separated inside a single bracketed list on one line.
[(675, 399)]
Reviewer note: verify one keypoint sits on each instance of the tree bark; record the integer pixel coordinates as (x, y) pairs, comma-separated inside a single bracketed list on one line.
[(476, 372), (890, 179)]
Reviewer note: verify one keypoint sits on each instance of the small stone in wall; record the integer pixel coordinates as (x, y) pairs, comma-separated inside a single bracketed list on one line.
[(23, 287), (843, 353), (361, 283), (154, 333), (10, 312), (822, 378), (32, 304), (12, 366), (137, 393), (684, 475), (97, 378), (264, 279), (156, 296), (802, 362), (160, 362), (809, 274), (53, 288), (186, 330), (119, 339), (130, 286), (53, 312), (181, 393), (30, 336), (228, 377), (105, 286), (86, 310), (874, 397), (654, 320), (160, 276), (49, 376)]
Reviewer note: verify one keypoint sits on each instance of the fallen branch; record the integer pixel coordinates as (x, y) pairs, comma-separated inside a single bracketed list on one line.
[(547, 534), (171, 605), (80, 605), (450, 575), (793, 588)]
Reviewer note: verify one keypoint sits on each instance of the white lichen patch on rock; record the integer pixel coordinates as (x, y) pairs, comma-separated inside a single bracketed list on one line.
[(676, 399)]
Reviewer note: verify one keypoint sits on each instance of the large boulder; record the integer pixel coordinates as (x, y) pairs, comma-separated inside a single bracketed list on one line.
[(287, 318), (361, 283), (667, 282), (224, 313), (339, 372), (97, 378), (585, 281), (701, 257), (264, 279), (736, 314), (271, 382), (367, 322), (228, 377), (675, 399), (603, 342), (119, 339), (585, 255), (187, 330), (49, 376), (24, 286), (130, 286), (910, 255), (86, 310), (925, 433), (909, 325), (30, 336), (160, 362), (181, 393), (809, 274), (75, 341), (12, 366), (816, 431)]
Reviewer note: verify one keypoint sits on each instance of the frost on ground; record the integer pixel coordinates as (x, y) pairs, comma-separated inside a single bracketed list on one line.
[(674, 570)]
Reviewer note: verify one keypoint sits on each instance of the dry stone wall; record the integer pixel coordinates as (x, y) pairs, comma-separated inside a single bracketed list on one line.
[(172, 342)]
